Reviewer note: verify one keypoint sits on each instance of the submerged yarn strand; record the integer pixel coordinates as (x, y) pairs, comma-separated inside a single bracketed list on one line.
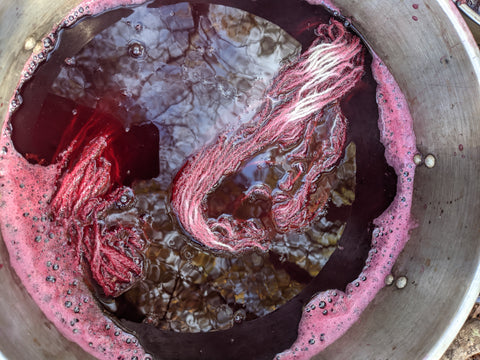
[(303, 96), (86, 189)]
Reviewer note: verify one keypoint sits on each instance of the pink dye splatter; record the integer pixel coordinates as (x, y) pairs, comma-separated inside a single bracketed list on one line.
[(331, 313), (301, 114)]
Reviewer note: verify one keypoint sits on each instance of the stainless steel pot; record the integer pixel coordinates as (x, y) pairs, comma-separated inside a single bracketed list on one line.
[(436, 62)]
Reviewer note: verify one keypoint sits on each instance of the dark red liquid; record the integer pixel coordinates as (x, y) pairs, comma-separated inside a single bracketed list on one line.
[(140, 138)]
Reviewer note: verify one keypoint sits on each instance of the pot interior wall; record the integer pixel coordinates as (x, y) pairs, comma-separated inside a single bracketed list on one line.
[(25, 332), (435, 62)]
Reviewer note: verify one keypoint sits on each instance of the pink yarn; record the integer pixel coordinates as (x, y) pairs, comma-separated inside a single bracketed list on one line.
[(87, 188), (301, 115)]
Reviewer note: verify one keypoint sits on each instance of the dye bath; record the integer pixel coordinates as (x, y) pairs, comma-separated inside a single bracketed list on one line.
[(91, 157)]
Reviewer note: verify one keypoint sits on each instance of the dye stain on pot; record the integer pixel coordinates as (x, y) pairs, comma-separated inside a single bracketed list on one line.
[(204, 174)]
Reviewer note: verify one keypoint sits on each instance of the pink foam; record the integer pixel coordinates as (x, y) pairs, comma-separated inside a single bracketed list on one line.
[(47, 265), (331, 313)]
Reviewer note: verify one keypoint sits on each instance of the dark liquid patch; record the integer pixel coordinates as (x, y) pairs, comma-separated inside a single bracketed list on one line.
[(139, 153)]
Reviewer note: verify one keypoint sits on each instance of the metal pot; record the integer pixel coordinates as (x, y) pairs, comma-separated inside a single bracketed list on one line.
[(435, 60)]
